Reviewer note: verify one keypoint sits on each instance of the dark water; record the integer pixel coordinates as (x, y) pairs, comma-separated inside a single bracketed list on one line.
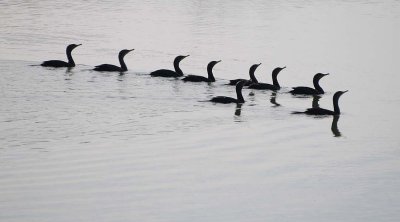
[(78, 145)]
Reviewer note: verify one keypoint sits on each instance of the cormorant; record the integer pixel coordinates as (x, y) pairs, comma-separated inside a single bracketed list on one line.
[(320, 111), (194, 78), (114, 68), (169, 73), (225, 99), (310, 91), (59, 63), (274, 86), (252, 77)]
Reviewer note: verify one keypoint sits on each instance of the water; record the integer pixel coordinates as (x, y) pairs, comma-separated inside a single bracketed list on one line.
[(78, 145)]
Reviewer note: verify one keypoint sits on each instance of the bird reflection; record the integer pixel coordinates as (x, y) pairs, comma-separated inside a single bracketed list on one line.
[(121, 76), (273, 99), (68, 73), (238, 109), (252, 96), (315, 101), (334, 126), (68, 70)]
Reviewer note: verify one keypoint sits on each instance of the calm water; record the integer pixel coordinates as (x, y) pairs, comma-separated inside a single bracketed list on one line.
[(78, 145)]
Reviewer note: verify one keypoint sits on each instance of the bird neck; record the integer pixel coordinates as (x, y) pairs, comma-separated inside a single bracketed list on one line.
[(252, 76), (177, 68), (122, 62), (317, 86), (239, 94), (70, 59), (275, 79), (210, 74), (336, 108)]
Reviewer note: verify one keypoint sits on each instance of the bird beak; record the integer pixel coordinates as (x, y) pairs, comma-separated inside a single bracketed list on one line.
[(284, 67), (218, 61), (186, 56), (345, 91), (78, 44), (259, 64), (326, 74), (130, 50)]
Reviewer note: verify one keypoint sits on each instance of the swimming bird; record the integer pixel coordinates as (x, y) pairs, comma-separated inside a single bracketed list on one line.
[(169, 73), (310, 91), (114, 68), (194, 78), (59, 63), (252, 77), (320, 111), (274, 86), (226, 100)]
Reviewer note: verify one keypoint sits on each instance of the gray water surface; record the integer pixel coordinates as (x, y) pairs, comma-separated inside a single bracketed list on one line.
[(80, 145)]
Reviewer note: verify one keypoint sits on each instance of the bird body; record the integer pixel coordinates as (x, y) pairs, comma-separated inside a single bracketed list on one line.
[(165, 73), (210, 78), (267, 86), (195, 78), (320, 111), (304, 90), (59, 63), (108, 67), (262, 86), (169, 73), (233, 82), (226, 100), (56, 64), (114, 68), (253, 78), (310, 91)]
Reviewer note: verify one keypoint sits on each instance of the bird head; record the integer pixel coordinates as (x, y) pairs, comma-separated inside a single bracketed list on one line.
[(124, 52), (72, 46), (319, 76)]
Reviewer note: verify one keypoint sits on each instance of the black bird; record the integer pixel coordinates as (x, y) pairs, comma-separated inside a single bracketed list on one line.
[(59, 63), (225, 99), (310, 91), (320, 111), (114, 68), (194, 78), (169, 73), (247, 82), (274, 86)]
